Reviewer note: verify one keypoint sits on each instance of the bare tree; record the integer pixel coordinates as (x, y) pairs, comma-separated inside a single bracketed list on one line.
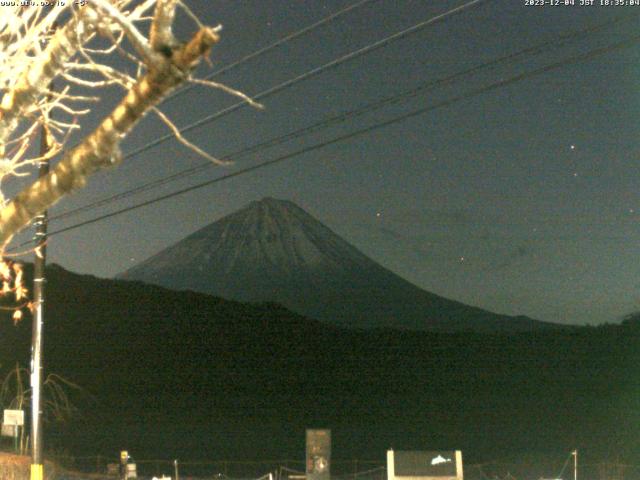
[(28, 68), (15, 394), (33, 53)]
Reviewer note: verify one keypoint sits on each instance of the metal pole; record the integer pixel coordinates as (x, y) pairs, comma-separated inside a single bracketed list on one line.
[(175, 465), (38, 319), (575, 465)]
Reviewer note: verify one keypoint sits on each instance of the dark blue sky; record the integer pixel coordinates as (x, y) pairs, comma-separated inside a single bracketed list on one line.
[(521, 200)]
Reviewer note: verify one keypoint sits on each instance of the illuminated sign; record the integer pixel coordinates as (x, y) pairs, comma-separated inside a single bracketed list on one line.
[(424, 465), (318, 459), (13, 417)]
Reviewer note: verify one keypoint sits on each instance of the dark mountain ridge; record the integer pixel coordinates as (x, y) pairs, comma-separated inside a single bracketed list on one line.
[(272, 250), (186, 375)]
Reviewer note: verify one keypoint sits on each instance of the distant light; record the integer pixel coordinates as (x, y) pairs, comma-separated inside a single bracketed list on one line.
[(378, 214), (573, 147)]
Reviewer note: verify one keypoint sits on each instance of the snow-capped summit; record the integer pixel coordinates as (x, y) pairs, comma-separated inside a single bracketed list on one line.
[(272, 250)]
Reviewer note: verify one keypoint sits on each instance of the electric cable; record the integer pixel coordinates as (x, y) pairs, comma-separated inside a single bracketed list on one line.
[(556, 42), (564, 466), (311, 73), (493, 86), (272, 46)]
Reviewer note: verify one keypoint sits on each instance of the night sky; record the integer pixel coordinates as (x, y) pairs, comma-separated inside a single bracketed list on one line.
[(523, 199)]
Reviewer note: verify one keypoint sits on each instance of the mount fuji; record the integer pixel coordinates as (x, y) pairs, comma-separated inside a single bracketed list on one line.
[(274, 251)]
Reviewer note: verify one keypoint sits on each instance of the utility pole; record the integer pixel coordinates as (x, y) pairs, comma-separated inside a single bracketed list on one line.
[(39, 280)]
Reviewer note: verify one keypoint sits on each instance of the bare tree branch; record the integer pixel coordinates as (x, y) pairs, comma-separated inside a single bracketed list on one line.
[(161, 34), (100, 149), (185, 142), (36, 75), (136, 38)]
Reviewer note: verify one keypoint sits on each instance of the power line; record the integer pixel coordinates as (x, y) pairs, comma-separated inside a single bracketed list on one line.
[(311, 73), (555, 43), (273, 45), (493, 86)]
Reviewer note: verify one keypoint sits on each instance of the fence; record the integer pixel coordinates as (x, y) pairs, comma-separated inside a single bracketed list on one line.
[(541, 470), (226, 469), (532, 469)]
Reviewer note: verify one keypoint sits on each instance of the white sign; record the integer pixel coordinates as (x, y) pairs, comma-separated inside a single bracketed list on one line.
[(13, 417), (440, 459), (131, 471), (9, 431)]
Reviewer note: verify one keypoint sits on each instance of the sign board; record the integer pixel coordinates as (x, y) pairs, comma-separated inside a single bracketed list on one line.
[(13, 417), (424, 465), (131, 470), (318, 458), (9, 430)]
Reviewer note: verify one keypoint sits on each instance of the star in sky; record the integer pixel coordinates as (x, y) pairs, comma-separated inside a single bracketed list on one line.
[(427, 168)]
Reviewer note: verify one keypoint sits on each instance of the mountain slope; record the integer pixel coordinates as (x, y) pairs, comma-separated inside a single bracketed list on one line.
[(190, 376), (272, 250)]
